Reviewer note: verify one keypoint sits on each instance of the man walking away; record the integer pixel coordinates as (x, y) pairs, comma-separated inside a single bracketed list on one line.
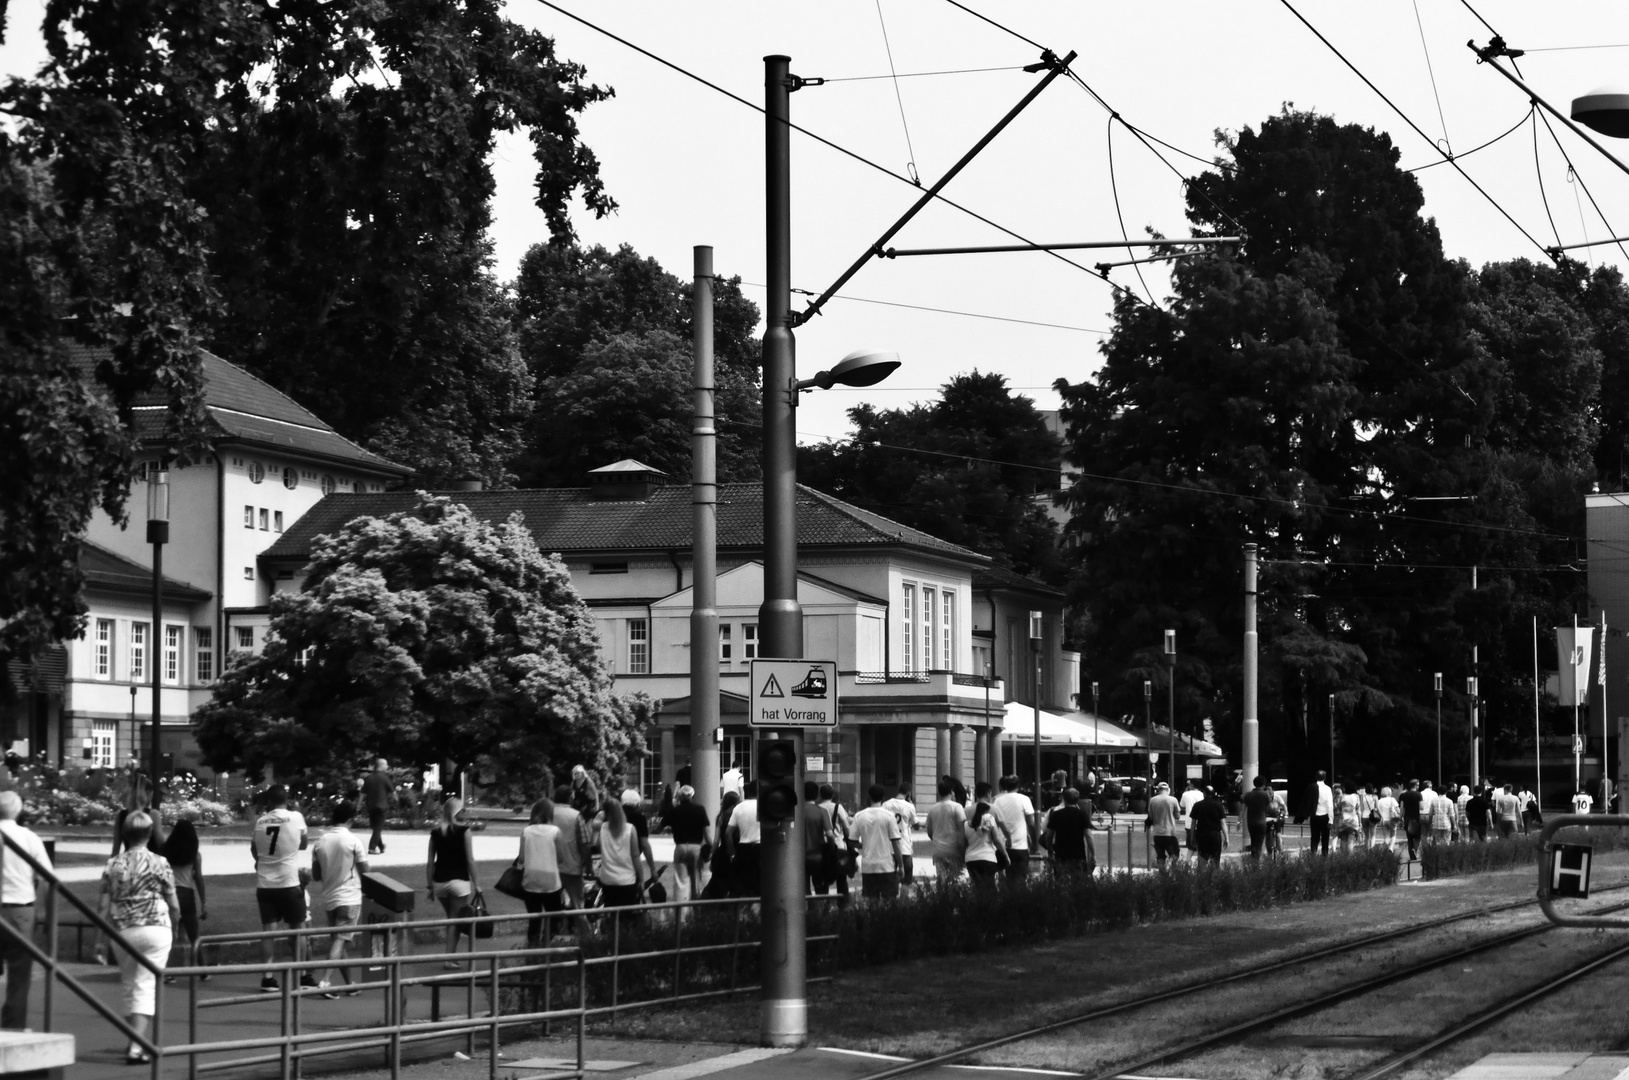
[(1477, 810), (278, 838), (816, 840), (1391, 812), (1015, 817), (337, 866), (1162, 823), (1529, 809), (904, 812), (1190, 798), (1209, 816), (744, 836), (1581, 802), (1067, 836), (947, 835), (378, 795), (1318, 804), (17, 897), (876, 833), (1258, 806), (1444, 811), (1507, 811), (692, 833)]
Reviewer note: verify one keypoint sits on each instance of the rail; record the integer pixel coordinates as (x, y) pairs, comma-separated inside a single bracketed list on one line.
[(1546, 853)]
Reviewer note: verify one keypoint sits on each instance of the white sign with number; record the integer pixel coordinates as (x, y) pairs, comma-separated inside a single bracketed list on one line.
[(793, 693)]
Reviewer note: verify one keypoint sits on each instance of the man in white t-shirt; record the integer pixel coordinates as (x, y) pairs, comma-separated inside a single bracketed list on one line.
[(904, 812), (337, 865), (875, 832), (278, 837), (1581, 802), (1015, 817), (1190, 798), (17, 892), (744, 834)]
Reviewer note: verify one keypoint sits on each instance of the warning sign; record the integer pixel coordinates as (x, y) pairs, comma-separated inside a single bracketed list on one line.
[(793, 693)]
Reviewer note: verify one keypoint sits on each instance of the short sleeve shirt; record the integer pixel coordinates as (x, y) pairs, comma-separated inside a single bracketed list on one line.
[(876, 832), (136, 881), (745, 820), (1010, 809), (277, 838), (946, 820), (1068, 825), (339, 851), (17, 883), (688, 822), (904, 812)]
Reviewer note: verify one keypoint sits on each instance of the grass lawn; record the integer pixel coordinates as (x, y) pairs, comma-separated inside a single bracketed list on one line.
[(929, 1006)]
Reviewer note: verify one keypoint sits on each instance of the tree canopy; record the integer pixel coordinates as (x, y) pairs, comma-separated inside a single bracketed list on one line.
[(424, 636), (977, 468), (1376, 417)]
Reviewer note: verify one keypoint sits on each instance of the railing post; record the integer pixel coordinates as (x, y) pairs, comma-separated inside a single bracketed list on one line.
[(192, 1013), (285, 1057), (582, 1007), (492, 1048), (395, 1009), (51, 941), (735, 948), (678, 945), (616, 957)]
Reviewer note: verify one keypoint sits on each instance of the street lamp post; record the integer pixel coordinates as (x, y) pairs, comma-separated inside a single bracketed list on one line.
[(1148, 721), (1035, 646), (158, 534), (783, 1016), (1331, 738), (1095, 736), (1471, 691), (1170, 702), (1436, 679)]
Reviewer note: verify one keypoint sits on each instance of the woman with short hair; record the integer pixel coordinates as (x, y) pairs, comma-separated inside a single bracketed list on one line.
[(138, 898)]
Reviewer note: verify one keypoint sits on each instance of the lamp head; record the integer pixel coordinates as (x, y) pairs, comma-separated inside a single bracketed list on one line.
[(862, 367), (1605, 110)]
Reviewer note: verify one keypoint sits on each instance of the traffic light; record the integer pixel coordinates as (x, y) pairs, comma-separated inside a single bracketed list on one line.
[(777, 780)]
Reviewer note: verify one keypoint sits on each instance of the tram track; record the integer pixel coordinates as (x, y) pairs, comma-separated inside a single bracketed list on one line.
[(1233, 1033)]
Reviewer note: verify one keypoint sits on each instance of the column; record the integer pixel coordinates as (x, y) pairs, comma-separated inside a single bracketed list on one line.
[(668, 766), (994, 748), (956, 752), (943, 753)]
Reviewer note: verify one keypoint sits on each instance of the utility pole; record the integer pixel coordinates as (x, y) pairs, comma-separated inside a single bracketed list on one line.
[(1035, 634), (1437, 680), (1476, 734), (784, 1007), (1250, 736), (1331, 738), (1170, 702), (704, 772)]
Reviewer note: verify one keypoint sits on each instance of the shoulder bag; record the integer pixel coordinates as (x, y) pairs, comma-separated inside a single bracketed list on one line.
[(509, 882)]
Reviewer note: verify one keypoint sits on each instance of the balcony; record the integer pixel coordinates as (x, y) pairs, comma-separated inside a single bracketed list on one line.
[(918, 684)]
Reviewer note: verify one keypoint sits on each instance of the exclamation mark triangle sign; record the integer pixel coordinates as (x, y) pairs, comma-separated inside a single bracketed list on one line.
[(772, 688)]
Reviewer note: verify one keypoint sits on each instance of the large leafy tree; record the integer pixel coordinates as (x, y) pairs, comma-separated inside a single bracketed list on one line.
[(606, 335), (977, 467), (425, 636), (1305, 392)]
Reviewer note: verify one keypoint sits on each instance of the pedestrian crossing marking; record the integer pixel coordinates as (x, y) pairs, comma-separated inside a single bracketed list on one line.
[(772, 688)]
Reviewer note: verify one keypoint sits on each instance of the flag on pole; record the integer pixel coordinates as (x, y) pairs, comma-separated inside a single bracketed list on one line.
[(1572, 648), (1600, 675)]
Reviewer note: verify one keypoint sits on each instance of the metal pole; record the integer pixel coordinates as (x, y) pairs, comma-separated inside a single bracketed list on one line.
[(1331, 738), (1577, 755), (1476, 742), (155, 653), (1036, 643), (704, 772), (1251, 733), (784, 1010), (1538, 760), (1436, 682), (1096, 738), (1170, 718)]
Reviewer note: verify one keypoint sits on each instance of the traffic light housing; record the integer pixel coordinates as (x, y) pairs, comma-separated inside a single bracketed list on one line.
[(777, 780)]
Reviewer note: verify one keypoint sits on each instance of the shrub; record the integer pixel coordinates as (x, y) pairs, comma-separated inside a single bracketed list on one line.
[(1454, 860)]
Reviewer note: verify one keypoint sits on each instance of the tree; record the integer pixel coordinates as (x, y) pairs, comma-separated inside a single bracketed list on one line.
[(977, 468), (1305, 392), (592, 321), (427, 635)]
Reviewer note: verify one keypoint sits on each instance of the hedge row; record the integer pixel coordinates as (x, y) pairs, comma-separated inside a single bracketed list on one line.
[(1454, 860)]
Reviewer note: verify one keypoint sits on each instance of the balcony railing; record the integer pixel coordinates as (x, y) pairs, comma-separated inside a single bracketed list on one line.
[(957, 678)]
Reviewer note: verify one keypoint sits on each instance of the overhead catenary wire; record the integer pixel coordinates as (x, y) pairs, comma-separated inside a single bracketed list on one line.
[(1114, 186), (1538, 172), (1573, 169), (1410, 122), (900, 98), (1461, 157), (1425, 48), (946, 311), (920, 74)]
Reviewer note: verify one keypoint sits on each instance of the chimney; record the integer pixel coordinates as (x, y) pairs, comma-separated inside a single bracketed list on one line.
[(624, 481)]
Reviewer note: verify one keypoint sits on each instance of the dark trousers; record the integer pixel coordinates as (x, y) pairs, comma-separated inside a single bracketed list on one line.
[(884, 886), (744, 871), (1209, 845), (1320, 833), (1411, 829), (1258, 837), (1018, 867), (376, 822), (19, 965), (541, 929)]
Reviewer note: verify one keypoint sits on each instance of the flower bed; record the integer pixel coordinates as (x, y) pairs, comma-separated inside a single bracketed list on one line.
[(95, 796)]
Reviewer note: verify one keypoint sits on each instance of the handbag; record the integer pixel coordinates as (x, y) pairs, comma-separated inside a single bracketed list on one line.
[(477, 906), (509, 882)]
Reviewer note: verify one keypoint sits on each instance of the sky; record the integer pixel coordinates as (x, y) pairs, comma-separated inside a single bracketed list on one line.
[(685, 163)]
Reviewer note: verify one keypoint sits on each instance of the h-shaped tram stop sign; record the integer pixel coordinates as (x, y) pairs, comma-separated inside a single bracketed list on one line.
[(1564, 868)]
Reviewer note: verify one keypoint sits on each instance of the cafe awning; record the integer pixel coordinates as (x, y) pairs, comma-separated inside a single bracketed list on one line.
[(1065, 729)]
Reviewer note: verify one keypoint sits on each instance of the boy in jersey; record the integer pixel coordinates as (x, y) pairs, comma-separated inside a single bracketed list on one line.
[(279, 836)]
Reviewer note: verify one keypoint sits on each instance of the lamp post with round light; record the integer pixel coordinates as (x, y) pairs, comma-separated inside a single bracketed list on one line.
[(158, 534)]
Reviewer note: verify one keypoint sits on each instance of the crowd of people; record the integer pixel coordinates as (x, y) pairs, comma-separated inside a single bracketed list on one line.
[(1413, 812)]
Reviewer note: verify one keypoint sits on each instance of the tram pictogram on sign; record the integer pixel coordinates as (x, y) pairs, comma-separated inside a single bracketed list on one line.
[(793, 693)]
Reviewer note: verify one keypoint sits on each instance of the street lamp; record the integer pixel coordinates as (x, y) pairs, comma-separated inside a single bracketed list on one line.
[(1170, 701), (1436, 679), (1035, 647), (1470, 689), (1095, 736), (158, 534), (784, 1010), (1148, 722), (1331, 738)]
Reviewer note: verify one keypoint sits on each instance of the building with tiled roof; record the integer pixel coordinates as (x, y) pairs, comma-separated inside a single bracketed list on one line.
[(901, 612), (270, 461)]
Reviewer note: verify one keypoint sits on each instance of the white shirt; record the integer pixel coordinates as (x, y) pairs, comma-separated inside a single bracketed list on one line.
[(1581, 803), (731, 781), (745, 819), (1326, 801), (276, 840), (904, 812), (339, 851), (1389, 809), (17, 883), (875, 832), (1010, 809), (1187, 801), (539, 858)]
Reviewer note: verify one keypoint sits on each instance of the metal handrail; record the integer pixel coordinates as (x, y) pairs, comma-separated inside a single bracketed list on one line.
[(1551, 827)]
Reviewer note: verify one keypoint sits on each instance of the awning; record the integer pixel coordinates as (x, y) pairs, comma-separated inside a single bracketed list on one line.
[(1065, 729), (1160, 738)]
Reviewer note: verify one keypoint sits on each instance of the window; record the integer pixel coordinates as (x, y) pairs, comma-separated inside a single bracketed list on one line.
[(947, 631), (650, 773), (908, 653), (724, 642), (981, 660), (265, 519), (257, 472), (638, 647), (103, 734), (203, 648), (749, 641), (246, 637), (138, 651), (248, 573), (608, 568), (929, 599), (277, 521), (102, 649), (172, 654), (291, 478), (248, 517), (327, 484)]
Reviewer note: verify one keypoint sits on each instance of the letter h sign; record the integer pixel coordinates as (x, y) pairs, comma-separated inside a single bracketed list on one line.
[(1569, 870)]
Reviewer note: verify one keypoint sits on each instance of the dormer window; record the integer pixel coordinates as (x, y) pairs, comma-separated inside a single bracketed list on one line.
[(257, 472), (608, 568), (291, 478)]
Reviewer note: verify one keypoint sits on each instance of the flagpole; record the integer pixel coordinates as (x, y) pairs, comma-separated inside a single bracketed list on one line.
[(1538, 756), (1606, 779), (1577, 745)]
